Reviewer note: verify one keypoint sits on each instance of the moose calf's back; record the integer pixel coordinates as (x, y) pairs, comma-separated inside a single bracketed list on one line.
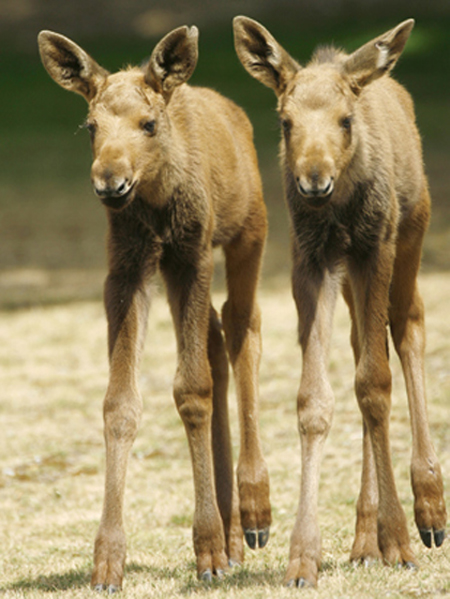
[(393, 139), (217, 136)]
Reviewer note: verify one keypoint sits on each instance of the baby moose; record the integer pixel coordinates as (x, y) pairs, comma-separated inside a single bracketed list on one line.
[(359, 206), (176, 168)]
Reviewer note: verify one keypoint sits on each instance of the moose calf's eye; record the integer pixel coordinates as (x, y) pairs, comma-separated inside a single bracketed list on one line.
[(346, 123), (91, 127), (286, 125), (149, 127)]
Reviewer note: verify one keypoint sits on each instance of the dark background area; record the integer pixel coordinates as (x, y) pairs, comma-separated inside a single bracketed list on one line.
[(52, 228)]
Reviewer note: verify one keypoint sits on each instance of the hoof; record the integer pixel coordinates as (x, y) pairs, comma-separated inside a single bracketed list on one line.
[(428, 535), (256, 538), (251, 538), (263, 537), (439, 537), (301, 583), (112, 589), (206, 576)]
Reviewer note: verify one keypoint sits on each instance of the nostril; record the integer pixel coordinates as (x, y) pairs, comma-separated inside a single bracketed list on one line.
[(328, 187), (112, 189), (100, 191), (123, 187)]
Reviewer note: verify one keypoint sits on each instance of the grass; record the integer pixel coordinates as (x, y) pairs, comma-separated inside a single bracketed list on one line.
[(53, 372)]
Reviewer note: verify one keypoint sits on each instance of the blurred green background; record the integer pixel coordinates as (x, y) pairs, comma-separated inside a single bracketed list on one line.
[(52, 228)]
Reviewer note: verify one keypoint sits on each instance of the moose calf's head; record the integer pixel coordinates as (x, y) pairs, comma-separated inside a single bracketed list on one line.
[(318, 104), (127, 121)]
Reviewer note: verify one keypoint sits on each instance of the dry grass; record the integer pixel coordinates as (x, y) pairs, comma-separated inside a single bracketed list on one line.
[(53, 373)]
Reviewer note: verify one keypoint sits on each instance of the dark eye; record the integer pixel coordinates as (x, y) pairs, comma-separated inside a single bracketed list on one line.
[(149, 126), (346, 123), (92, 128), (286, 125)]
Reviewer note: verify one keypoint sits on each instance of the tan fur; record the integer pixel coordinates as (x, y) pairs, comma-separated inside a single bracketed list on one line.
[(177, 170), (359, 206)]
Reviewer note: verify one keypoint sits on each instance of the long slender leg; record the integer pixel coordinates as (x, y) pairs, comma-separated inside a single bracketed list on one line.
[(315, 296), (365, 545), (127, 303), (370, 288), (242, 323), (227, 496), (188, 280), (408, 332)]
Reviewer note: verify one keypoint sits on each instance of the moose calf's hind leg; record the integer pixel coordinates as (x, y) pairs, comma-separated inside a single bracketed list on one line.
[(227, 495), (365, 545), (242, 324), (408, 332)]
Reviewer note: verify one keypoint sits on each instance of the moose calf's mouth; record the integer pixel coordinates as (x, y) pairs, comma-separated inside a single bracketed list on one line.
[(116, 198), (316, 196)]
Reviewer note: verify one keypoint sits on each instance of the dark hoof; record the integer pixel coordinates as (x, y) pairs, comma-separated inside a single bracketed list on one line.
[(234, 563), (439, 537), (411, 566), (302, 583), (99, 588), (290, 584), (263, 537), (206, 576), (251, 538), (426, 537)]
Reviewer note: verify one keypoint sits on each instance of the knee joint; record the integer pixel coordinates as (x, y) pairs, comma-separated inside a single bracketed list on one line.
[(122, 417), (194, 404), (315, 414)]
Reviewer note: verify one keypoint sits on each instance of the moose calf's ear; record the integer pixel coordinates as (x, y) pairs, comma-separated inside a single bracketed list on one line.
[(69, 65), (378, 56), (173, 60), (262, 56)]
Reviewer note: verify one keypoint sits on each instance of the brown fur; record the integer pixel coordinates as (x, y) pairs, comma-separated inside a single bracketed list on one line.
[(177, 170), (359, 206)]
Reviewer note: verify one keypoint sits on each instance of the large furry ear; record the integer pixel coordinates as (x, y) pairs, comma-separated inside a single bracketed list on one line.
[(173, 60), (378, 56), (262, 56), (69, 65)]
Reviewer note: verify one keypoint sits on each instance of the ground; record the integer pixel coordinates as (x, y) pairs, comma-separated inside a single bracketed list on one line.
[(53, 373)]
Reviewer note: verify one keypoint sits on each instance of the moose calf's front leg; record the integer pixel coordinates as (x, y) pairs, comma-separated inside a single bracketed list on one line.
[(315, 409), (189, 299), (122, 412), (315, 404)]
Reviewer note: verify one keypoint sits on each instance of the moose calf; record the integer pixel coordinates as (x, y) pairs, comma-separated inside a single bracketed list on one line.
[(176, 168), (359, 206)]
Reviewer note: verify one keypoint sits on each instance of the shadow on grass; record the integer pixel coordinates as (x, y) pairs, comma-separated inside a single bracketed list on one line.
[(238, 578), (73, 579)]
